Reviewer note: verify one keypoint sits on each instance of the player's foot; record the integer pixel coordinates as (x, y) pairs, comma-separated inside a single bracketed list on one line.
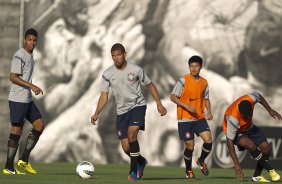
[(140, 169), (132, 177), (26, 166), (203, 167), (190, 174), (7, 171), (260, 179), (274, 175)]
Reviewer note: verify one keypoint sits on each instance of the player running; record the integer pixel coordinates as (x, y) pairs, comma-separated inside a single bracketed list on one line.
[(125, 80), (240, 130), (191, 94)]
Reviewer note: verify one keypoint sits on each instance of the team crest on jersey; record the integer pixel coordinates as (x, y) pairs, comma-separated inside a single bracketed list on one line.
[(188, 135), (130, 77)]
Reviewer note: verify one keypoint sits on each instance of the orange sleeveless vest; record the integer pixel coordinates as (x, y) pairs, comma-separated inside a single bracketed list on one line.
[(233, 110), (193, 95)]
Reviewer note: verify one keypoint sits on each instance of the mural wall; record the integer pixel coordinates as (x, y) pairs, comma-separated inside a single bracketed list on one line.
[(240, 42)]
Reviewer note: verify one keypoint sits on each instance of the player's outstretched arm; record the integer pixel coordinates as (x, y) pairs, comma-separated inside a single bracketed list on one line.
[(271, 112), (101, 104), (14, 78), (154, 92), (231, 149)]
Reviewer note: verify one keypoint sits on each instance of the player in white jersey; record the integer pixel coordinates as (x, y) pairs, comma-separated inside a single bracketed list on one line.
[(125, 80), (21, 105)]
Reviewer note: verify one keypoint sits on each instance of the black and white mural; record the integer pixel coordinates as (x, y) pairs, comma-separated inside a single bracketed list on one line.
[(240, 42)]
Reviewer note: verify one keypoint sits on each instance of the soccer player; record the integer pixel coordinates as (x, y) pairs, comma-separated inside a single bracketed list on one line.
[(21, 105), (125, 80), (191, 95), (240, 130)]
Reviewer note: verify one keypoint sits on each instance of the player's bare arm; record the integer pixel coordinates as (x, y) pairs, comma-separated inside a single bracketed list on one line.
[(154, 92), (177, 101), (14, 78), (101, 104), (231, 149), (208, 107), (271, 112)]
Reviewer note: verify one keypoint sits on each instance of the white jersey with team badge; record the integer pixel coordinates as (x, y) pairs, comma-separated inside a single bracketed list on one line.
[(126, 86)]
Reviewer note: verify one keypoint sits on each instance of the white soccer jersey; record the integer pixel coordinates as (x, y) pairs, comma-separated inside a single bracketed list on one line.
[(126, 86)]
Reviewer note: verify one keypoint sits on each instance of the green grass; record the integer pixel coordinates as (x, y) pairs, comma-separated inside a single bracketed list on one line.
[(60, 173)]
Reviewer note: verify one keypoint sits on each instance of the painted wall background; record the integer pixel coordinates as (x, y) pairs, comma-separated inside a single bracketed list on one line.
[(240, 42)]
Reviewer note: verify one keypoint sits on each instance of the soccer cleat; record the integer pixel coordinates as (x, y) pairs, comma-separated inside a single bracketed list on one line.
[(140, 169), (260, 179), (190, 174), (7, 171), (274, 175), (203, 167), (132, 177), (26, 166)]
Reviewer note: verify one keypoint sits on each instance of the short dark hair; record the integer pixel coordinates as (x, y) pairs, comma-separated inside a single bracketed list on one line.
[(30, 31), (245, 108), (118, 46), (195, 59)]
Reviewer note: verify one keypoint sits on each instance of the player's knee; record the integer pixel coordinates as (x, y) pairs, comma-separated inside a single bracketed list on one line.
[(256, 154), (207, 147), (132, 137)]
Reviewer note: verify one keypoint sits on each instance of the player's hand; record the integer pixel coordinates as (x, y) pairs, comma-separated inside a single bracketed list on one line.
[(36, 90), (209, 116), (162, 110), (239, 172), (94, 119), (191, 109), (275, 114)]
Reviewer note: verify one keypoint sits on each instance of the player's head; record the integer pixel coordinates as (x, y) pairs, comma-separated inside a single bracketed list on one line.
[(118, 55), (195, 65), (30, 39), (245, 109)]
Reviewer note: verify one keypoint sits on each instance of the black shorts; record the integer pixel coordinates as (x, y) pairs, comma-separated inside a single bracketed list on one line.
[(255, 134), (21, 111), (186, 130), (134, 117)]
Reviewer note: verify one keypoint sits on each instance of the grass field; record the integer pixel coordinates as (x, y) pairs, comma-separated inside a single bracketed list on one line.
[(61, 173)]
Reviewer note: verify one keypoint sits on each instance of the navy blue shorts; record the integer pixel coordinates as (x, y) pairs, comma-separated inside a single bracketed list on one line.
[(21, 111), (255, 134), (134, 117), (186, 130)]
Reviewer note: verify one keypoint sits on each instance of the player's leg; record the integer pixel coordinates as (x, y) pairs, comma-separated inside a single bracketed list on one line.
[(186, 134), (35, 118), (188, 155), (202, 129), (134, 150), (17, 114)]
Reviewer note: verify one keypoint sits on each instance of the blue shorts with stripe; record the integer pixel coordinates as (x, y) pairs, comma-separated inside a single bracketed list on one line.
[(254, 133), (134, 117), (187, 129), (21, 111)]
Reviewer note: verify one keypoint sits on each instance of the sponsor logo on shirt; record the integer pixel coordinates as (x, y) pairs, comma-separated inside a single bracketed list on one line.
[(192, 99)]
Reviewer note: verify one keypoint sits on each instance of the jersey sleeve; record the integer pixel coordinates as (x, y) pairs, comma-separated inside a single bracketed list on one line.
[(143, 77), (105, 84), (178, 88), (206, 93), (255, 96), (17, 65), (232, 127)]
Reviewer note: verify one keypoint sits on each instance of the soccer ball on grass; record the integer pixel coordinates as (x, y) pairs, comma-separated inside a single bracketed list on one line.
[(85, 169)]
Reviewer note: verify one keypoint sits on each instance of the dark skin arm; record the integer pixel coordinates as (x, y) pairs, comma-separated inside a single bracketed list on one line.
[(271, 112), (101, 104), (14, 78), (231, 149)]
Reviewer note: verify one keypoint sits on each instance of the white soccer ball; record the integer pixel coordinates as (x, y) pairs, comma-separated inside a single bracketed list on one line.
[(85, 169)]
